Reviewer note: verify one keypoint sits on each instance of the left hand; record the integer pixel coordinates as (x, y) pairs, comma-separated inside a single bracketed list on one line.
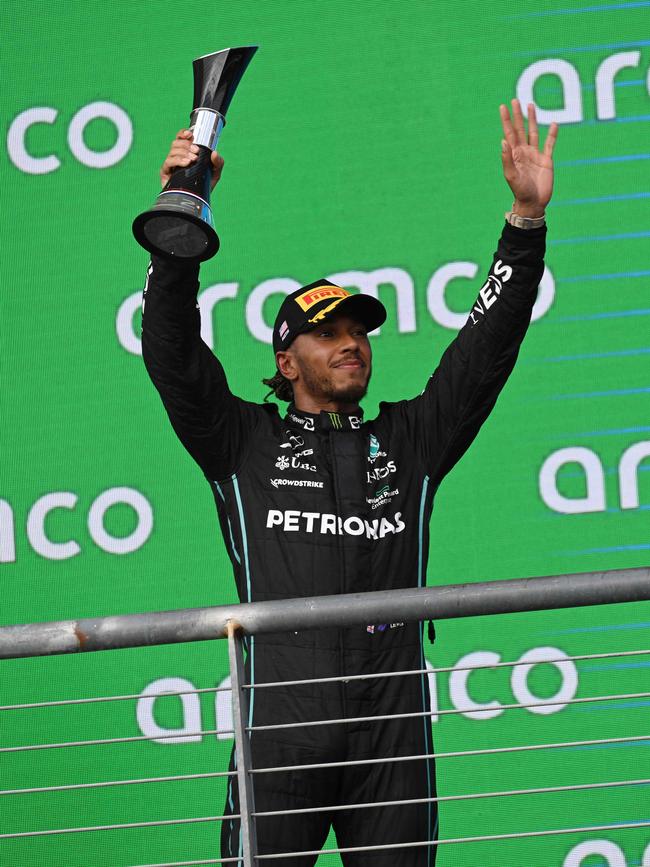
[(528, 171)]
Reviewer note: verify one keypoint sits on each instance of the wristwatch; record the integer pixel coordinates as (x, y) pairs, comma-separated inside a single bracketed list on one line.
[(525, 222)]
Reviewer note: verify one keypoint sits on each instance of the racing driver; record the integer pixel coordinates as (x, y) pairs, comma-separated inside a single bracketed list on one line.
[(321, 501)]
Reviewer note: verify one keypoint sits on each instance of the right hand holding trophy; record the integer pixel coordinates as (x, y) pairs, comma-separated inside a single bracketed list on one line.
[(180, 223), (182, 153)]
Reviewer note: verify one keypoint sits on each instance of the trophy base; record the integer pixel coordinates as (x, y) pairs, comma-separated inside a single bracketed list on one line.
[(178, 226)]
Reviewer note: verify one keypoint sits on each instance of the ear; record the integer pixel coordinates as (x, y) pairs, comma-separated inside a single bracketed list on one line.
[(286, 364)]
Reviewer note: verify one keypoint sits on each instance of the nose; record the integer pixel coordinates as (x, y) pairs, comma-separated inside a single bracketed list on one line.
[(349, 342)]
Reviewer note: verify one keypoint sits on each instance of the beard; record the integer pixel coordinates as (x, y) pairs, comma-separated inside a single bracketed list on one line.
[(324, 386)]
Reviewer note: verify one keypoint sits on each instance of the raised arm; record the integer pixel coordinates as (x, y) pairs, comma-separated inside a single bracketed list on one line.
[(463, 390), (208, 419)]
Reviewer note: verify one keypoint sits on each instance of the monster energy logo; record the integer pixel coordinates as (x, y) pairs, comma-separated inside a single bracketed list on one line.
[(335, 418)]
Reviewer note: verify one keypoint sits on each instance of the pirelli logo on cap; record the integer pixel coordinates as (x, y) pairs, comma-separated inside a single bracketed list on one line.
[(319, 293)]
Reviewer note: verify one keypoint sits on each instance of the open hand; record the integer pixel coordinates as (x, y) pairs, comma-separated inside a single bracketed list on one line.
[(527, 169), (182, 153)]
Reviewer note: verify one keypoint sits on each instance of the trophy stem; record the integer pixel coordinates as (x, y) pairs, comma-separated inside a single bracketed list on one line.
[(206, 126)]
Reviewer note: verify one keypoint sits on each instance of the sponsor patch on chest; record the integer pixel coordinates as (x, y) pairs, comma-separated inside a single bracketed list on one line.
[(284, 462), (376, 474), (295, 521), (382, 497)]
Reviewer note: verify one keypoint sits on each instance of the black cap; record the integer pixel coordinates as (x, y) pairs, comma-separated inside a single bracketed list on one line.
[(308, 306)]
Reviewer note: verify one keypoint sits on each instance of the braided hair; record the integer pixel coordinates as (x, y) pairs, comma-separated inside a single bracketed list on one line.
[(280, 387)]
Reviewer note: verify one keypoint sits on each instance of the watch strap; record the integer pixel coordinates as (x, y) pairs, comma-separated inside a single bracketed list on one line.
[(525, 222)]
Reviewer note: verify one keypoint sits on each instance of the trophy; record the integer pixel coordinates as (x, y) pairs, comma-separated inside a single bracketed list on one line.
[(180, 222)]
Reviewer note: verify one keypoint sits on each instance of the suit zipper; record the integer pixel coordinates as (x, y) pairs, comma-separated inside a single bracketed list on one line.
[(341, 589)]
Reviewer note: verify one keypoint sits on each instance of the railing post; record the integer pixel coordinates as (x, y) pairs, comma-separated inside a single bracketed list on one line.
[(242, 745)]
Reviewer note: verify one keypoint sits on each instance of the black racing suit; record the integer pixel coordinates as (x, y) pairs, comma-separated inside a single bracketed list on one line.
[(331, 503)]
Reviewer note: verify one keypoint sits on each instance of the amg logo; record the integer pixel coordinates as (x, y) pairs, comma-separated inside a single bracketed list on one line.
[(291, 520)]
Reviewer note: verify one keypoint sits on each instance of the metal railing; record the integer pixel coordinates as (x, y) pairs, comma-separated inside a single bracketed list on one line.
[(235, 622)]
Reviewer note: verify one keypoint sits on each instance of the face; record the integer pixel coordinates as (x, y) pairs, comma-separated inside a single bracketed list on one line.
[(332, 362)]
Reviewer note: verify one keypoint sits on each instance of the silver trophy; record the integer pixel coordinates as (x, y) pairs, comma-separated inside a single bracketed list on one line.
[(180, 223)]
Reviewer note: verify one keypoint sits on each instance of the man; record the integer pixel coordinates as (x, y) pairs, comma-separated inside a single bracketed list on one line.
[(321, 501)]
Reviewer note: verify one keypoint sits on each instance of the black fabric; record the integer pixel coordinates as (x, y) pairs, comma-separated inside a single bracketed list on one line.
[(319, 504), (330, 787)]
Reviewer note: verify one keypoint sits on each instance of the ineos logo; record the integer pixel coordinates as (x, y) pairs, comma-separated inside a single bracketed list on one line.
[(32, 165)]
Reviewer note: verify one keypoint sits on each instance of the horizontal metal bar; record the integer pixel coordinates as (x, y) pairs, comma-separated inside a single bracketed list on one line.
[(202, 624), (346, 678), (103, 784), (315, 680), (474, 710), (191, 863), (383, 760), (103, 741), (311, 723), (487, 751), (481, 839), (101, 698), (118, 827), (472, 796)]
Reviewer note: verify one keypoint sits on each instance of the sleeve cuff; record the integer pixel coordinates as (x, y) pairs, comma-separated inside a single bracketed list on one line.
[(522, 241)]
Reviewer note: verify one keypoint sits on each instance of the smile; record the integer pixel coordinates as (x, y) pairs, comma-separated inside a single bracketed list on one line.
[(353, 364)]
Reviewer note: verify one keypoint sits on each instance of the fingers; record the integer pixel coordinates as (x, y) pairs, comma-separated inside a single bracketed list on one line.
[(506, 123), (183, 153), (515, 130), (217, 168), (507, 160), (182, 150), (518, 122), (533, 132), (551, 138)]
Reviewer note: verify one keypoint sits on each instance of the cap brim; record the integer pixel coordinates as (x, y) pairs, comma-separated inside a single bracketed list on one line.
[(365, 308)]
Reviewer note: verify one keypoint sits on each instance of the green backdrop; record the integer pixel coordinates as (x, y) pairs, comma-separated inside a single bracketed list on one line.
[(364, 138)]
